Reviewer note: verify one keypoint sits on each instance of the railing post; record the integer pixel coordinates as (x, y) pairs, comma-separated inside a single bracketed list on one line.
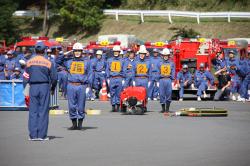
[(228, 17), (169, 18), (116, 16), (142, 19), (198, 18)]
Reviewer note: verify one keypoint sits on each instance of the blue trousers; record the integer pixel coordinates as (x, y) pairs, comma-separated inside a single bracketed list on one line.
[(236, 83), (165, 90), (142, 82), (182, 87), (98, 80), (128, 81), (76, 101), (39, 110), (245, 87), (153, 90), (115, 87), (62, 81), (202, 86)]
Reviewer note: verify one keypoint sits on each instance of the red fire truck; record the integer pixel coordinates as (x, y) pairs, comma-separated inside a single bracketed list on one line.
[(30, 42)]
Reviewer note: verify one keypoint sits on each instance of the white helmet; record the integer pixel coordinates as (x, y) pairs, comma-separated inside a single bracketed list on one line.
[(165, 51), (117, 48), (99, 52), (77, 46), (142, 50)]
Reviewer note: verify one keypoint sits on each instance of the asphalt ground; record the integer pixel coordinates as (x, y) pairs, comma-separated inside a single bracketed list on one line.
[(127, 140)]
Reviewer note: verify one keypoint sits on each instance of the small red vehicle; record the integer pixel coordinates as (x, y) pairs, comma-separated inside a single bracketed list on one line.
[(134, 100)]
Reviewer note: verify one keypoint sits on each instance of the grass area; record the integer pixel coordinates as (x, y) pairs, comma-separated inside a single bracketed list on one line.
[(153, 29)]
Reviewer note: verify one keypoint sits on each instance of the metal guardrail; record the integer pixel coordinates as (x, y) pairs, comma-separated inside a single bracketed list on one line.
[(12, 97), (173, 13)]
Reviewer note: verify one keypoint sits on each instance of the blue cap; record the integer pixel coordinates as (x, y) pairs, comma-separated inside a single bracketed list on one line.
[(155, 50), (17, 69), (40, 46)]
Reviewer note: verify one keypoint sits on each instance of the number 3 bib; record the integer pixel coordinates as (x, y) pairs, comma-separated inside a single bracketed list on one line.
[(165, 70)]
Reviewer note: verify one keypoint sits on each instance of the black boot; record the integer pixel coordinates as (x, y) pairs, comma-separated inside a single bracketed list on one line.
[(80, 124), (118, 107), (113, 108), (167, 107), (163, 109), (74, 125)]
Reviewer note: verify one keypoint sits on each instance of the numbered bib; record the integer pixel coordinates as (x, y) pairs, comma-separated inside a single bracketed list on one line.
[(141, 69), (77, 68), (116, 66), (165, 70)]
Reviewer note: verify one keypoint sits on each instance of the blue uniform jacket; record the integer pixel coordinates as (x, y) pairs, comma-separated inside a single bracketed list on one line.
[(205, 76), (40, 70), (129, 67), (167, 69), (142, 68), (183, 77), (78, 70), (114, 67)]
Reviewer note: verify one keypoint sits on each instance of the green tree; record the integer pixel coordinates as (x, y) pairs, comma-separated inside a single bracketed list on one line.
[(8, 25), (86, 14), (184, 33)]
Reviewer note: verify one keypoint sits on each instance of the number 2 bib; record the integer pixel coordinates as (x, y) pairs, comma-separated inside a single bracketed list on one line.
[(141, 69)]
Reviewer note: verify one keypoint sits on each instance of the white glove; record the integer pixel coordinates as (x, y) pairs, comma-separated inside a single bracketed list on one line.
[(22, 62), (87, 90), (158, 84), (108, 80), (133, 83), (103, 72), (123, 82), (149, 83)]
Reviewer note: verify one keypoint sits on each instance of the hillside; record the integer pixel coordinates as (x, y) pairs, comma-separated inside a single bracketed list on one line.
[(153, 29)]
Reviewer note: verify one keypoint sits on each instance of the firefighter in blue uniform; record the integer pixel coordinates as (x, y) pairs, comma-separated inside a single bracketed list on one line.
[(246, 81), (201, 78), (17, 74), (114, 71), (153, 90), (184, 80), (60, 61), (233, 67), (142, 69), (2, 64), (219, 62), (99, 69), (167, 75), (41, 74), (10, 64), (129, 66), (243, 67), (78, 76)]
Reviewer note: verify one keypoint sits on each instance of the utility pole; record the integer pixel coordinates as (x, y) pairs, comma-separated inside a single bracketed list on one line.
[(45, 16)]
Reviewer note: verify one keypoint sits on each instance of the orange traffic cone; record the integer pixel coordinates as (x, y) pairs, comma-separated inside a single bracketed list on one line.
[(104, 94)]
